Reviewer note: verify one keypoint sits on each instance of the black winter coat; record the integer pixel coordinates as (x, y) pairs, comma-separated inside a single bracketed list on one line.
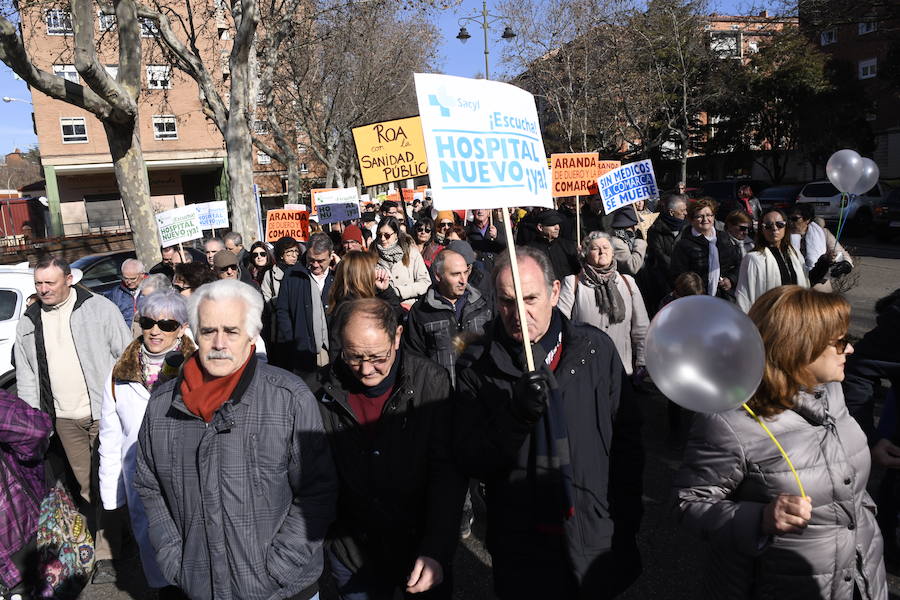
[(400, 494), (691, 253), (492, 444), (563, 255), (653, 279)]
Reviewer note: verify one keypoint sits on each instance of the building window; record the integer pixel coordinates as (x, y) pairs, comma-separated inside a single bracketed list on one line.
[(261, 127), (112, 70), (159, 77), (67, 72), (304, 168), (107, 21), (263, 158), (868, 27), (868, 68), (165, 127), (725, 44), (59, 22), (148, 28), (74, 130), (829, 36)]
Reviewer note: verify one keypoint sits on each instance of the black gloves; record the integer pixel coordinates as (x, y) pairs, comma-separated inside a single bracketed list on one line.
[(817, 273), (531, 394), (841, 268)]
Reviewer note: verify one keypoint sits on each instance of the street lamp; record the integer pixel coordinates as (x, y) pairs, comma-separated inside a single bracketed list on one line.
[(8, 99), (485, 19)]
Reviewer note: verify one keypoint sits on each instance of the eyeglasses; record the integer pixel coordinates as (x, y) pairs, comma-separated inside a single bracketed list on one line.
[(774, 225), (227, 268), (375, 361), (423, 229), (704, 217), (259, 254), (743, 228), (180, 288), (132, 279), (445, 224), (167, 325), (385, 235), (293, 251), (795, 218), (841, 345)]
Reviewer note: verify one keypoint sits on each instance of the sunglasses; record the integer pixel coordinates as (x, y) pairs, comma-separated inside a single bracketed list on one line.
[(180, 288), (445, 224), (167, 325), (774, 225), (228, 268), (743, 228), (423, 229), (386, 236), (841, 345), (259, 254)]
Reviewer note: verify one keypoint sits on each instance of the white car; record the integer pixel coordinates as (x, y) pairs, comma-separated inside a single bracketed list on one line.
[(16, 285), (859, 212)]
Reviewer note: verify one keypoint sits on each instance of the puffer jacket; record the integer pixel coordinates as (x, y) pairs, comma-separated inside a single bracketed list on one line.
[(124, 300), (432, 326), (732, 470), (237, 508)]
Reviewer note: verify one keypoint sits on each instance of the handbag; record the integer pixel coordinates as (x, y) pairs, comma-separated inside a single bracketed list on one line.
[(65, 546)]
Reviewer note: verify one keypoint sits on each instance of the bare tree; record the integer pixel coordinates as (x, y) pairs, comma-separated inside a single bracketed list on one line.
[(113, 101)]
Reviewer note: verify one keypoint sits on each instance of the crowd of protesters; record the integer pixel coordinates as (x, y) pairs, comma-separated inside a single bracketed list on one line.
[(253, 420)]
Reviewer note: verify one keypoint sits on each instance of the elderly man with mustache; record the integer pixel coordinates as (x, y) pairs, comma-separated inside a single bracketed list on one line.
[(233, 466)]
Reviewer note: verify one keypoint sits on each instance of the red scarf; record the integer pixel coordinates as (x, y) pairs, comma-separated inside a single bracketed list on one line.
[(203, 395)]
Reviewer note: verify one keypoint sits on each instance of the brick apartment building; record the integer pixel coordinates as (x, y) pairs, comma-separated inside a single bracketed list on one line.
[(184, 152)]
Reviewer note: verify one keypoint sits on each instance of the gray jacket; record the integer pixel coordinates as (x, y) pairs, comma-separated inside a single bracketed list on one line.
[(100, 337), (237, 508), (732, 470)]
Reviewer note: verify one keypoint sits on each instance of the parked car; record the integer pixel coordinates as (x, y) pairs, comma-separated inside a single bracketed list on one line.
[(781, 197), (102, 271), (887, 216), (859, 212), (725, 192), (16, 285)]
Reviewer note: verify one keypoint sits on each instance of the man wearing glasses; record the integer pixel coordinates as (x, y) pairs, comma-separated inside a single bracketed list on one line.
[(387, 414), (125, 295)]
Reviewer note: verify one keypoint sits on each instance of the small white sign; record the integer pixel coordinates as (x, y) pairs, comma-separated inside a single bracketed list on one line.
[(337, 205), (213, 215), (178, 225), (627, 184), (483, 142)]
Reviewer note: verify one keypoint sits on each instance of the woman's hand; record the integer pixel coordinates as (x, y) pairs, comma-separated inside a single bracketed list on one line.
[(382, 279), (786, 514), (725, 283), (886, 454)]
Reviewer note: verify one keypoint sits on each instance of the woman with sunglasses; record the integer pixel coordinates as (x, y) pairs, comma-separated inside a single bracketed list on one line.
[(163, 323), (397, 254), (705, 251), (735, 490), (772, 263), (739, 228), (423, 238), (260, 261)]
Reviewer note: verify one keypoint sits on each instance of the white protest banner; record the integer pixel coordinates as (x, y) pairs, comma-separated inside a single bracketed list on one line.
[(627, 184), (178, 225), (337, 205), (483, 143), (212, 215)]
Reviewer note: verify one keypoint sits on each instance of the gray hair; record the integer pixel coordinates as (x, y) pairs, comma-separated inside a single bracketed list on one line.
[(673, 199), (234, 237), (534, 254), (228, 289), (154, 283), (320, 243), (165, 304), (438, 265), (134, 264), (213, 239), (588, 239)]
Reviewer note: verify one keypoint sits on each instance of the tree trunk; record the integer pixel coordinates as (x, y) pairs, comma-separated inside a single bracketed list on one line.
[(134, 187), (240, 178), (293, 182)]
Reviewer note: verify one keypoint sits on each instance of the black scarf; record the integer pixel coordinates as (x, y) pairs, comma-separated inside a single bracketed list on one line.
[(675, 225), (355, 387), (785, 268)]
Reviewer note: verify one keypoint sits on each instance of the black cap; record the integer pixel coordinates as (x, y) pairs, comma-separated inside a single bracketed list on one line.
[(550, 217), (624, 217)]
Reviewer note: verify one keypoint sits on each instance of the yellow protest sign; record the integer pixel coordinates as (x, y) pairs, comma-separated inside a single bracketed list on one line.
[(287, 223), (390, 150)]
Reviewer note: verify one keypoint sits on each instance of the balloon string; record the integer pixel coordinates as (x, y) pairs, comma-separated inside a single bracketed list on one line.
[(841, 220), (780, 449)]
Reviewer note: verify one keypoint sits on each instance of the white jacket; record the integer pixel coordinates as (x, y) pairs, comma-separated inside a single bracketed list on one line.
[(759, 273), (577, 301), (413, 280)]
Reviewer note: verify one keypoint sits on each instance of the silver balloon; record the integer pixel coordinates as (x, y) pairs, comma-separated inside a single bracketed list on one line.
[(868, 177), (704, 354), (844, 169)]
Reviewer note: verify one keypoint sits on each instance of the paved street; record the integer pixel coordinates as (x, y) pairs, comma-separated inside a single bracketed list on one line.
[(673, 561)]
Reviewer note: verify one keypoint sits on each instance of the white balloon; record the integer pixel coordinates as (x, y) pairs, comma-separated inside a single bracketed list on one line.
[(705, 354), (868, 177), (844, 169)]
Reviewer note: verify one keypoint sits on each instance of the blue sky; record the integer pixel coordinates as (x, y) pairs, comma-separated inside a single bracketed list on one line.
[(465, 60)]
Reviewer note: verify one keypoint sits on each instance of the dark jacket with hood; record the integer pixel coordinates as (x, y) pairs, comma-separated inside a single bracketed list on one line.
[(401, 495), (492, 443)]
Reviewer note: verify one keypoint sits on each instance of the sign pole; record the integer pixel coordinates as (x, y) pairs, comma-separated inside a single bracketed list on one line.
[(181, 251), (578, 220), (517, 286)]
